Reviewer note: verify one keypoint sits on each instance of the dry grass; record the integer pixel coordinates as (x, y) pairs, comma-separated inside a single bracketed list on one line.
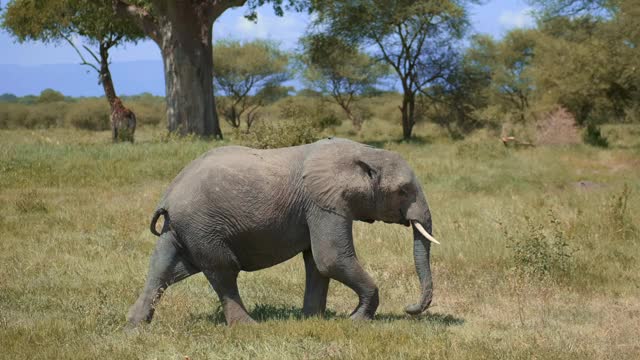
[(75, 247)]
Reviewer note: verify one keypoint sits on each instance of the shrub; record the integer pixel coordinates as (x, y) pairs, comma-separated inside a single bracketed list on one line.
[(45, 115), (542, 251), (148, 113), (50, 95), (313, 111), (90, 115), (594, 137), (557, 127), (13, 115), (280, 133), (32, 116)]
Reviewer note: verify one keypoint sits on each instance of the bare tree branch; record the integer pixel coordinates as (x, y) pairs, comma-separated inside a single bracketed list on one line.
[(84, 61)]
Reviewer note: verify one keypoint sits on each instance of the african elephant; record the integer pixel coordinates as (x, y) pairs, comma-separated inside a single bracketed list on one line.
[(236, 208)]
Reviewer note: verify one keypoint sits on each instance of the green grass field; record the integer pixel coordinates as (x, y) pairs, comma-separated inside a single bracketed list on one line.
[(532, 263)]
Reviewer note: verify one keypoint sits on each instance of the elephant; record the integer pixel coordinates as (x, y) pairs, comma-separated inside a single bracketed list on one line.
[(241, 209)]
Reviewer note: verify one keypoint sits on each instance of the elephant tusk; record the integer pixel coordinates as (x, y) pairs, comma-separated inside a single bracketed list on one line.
[(425, 233)]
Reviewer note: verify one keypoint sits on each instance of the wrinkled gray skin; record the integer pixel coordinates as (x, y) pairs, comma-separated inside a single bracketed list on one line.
[(239, 209)]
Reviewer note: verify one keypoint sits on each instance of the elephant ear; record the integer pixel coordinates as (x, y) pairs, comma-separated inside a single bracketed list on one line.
[(338, 178)]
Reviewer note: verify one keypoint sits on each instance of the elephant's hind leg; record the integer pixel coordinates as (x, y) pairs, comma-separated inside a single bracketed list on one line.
[(316, 287), (225, 283), (166, 267)]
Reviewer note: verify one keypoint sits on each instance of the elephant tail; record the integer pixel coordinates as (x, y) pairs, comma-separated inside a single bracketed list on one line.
[(159, 211)]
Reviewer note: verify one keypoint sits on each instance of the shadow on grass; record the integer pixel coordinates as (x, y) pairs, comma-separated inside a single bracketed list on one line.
[(434, 318), (262, 313), (416, 140)]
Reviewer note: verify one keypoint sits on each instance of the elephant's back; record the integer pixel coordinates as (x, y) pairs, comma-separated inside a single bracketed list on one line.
[(237, 185)]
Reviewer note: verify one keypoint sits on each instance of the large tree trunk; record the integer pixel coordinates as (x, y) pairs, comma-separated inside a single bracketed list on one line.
[(182, 30), (187, 55)]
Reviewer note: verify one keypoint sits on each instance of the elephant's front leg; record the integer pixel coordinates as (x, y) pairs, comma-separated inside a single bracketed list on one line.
[(335, 257), (316, 287)]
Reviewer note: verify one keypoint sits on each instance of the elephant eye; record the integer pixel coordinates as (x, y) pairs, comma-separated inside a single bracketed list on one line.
[(371, 173), (404, 190)]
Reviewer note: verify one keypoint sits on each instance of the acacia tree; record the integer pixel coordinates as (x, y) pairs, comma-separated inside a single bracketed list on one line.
[(58, 21), (548, 9), (247, 75), (183, 31), (340, 70), (455, 103), (417, 39), (597, 78), (508, 63)]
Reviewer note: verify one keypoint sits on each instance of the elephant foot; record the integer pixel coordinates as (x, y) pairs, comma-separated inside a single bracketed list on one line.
[(366, 308), (137, 315)]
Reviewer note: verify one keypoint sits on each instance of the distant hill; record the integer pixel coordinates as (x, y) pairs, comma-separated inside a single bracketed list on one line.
[(130, 78)]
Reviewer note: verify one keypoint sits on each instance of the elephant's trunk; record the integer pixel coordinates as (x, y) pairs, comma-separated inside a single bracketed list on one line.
[(419, 212)]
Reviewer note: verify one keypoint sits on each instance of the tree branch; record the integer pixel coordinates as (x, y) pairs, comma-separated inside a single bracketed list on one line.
[(215, 8), (84, 61), (140, 17), (93, 55)]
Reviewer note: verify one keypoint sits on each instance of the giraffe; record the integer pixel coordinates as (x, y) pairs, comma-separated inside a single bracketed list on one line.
[(123, 121)]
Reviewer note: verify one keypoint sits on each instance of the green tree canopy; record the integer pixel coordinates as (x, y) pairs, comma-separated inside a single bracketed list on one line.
[(417, 39), (591, 64), (340, 70), (507, 63), (248, 75), (54, 20)]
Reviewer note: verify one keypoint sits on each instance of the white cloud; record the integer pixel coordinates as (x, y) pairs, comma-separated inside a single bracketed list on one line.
[(517, 19), (286, 29)]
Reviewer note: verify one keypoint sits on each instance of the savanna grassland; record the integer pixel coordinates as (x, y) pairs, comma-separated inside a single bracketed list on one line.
[(540, 256)]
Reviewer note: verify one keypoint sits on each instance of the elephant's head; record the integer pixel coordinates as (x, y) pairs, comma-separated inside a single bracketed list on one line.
[(363, 183)]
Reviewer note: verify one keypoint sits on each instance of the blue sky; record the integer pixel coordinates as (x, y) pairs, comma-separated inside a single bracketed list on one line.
[(31, 76)]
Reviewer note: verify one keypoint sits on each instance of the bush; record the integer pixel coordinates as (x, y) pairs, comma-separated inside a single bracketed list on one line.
[(38, 116), (280, 133), (538, 253), (308, 110), (42, 116), (594, 137), (13, 115), (90, 115), (557, 127), (50, 95), (148, 113)]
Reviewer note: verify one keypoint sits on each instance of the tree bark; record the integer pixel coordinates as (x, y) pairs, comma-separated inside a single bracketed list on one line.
[(184, 34), (188, 66), (408, 115), (189, 87)]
